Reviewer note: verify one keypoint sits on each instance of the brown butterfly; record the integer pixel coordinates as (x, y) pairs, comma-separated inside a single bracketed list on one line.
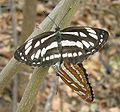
[(75, 76)]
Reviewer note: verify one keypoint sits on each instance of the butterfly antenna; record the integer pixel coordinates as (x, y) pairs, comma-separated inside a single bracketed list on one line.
[(52, 20), (57, 26), (64, 15)]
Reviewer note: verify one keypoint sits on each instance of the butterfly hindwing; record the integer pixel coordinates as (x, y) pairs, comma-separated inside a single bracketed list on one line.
[(75, 77)]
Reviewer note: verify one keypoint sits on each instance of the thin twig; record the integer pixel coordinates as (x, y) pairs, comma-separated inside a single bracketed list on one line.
[(15, 79), (51, 94)]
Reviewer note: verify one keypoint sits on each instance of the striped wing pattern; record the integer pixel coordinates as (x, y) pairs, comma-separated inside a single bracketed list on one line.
[(75, 76), (80, 42), (71, 44)]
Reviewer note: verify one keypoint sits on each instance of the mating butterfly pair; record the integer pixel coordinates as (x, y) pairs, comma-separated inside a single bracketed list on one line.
[(70, 45)]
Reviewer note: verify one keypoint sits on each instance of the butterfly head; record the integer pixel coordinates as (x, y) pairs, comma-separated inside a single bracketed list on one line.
[(57, 29)]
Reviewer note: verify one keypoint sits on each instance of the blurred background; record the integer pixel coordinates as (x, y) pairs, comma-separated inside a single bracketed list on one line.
[(18, 18)]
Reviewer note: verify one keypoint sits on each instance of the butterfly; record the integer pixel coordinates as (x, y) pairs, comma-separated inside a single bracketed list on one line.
[(72, 44), (75, 76)]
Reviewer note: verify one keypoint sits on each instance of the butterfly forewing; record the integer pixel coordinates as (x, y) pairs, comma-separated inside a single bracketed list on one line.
[(42, 48), (75, 77), (80, 42), (71, 44)]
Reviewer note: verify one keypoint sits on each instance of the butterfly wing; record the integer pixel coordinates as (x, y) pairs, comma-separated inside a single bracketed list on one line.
[(43, 49), (75, 77), (81, 70), (80, 42)]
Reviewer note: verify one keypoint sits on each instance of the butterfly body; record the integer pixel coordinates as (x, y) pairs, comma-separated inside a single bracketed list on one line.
[(72, 44)]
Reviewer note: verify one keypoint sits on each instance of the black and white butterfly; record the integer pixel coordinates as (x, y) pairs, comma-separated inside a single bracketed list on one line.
[(72, 44)]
